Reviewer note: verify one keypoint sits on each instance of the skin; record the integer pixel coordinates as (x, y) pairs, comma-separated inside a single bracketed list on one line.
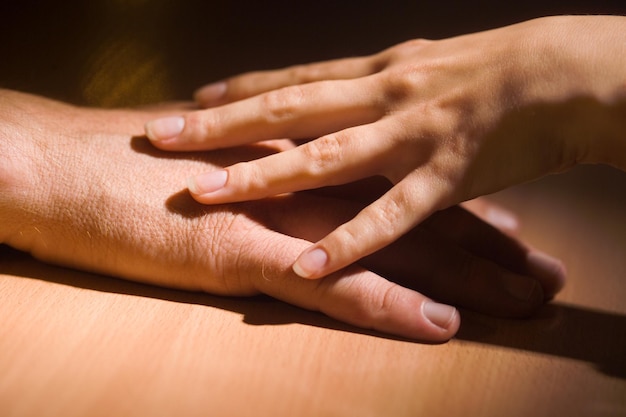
[(443, 121), (81, 187)]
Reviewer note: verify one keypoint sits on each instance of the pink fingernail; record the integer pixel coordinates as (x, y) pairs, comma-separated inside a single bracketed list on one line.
[(310, 262), (522, 288), (211, 92), (502, 219), (165, 128), (208, 182), (545, 266), (440, 315)]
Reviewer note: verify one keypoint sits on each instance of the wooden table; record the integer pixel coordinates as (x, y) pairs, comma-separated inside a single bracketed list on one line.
[(78, 344)]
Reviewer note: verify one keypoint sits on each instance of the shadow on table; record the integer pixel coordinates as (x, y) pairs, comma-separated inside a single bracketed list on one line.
[(562, 330), (567, 331)]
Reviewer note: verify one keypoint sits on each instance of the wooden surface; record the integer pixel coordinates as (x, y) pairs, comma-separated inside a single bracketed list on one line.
[(78, 344)]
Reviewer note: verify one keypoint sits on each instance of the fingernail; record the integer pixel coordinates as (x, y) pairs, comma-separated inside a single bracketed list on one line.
[(165, 128), (310, 262), (502, 219), (522, 288), (210, 92), (546, 266), (208, 182), (440, 315)]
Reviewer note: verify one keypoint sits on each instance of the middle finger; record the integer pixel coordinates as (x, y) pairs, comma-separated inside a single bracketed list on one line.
[(334, 159)]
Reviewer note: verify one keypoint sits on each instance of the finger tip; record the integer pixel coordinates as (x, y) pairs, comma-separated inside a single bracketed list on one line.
[(165, 128), (503, 219), (310, 263), (301, 272), (550, 271), (445, 319), (192, 186), (149, 131), (210, 94), (205, 185)]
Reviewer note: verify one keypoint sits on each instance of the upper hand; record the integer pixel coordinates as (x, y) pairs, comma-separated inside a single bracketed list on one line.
[(443, 121)]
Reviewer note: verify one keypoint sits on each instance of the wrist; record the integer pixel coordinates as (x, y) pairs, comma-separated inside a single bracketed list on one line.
[(577, 86), (602, 133)]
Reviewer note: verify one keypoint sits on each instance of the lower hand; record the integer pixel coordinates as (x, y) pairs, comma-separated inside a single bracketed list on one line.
[(78, 190)]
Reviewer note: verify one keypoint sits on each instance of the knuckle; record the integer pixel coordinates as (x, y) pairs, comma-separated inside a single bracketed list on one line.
[(282, 104), (410, 47), (201, 125), (401, 82), (376, 304), (413, 44), (271, 278), (347, 240), (410, 71), (387, 216), (385, 301), (214, 237), (323, 154), (245, 268), (246, 178)]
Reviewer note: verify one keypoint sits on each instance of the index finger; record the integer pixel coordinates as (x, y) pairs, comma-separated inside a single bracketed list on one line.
[(353, 295), (294, 112)]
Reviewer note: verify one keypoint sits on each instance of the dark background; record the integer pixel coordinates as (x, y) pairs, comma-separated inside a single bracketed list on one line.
[(126, 52)]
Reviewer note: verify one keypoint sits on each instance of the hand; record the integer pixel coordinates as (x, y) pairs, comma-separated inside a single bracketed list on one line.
[(78, 191), (444, 121)]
